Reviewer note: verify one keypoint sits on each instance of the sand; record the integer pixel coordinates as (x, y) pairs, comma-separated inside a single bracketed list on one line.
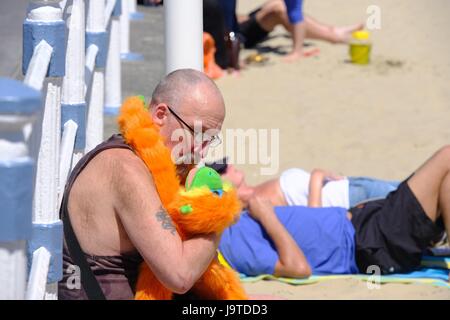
[(380, 120), (346, 289)]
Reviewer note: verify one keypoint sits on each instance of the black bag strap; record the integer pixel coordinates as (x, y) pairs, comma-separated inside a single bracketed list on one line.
[(88, 280)]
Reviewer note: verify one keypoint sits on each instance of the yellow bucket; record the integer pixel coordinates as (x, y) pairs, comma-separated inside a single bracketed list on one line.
[(360, 47)]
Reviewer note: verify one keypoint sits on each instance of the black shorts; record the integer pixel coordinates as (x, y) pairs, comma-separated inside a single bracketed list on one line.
[(251, 32), (393, 233)]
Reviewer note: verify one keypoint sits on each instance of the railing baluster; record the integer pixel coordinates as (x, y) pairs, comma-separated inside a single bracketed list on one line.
[(97, 40), (38, 275), (125, 53), (44, 22), (38, 65), (73, 105)]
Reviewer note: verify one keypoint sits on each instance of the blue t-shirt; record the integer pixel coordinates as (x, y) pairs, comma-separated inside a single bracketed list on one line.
[(294, 10), (325, 236)]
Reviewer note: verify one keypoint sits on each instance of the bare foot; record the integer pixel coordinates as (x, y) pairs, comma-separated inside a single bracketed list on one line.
[(311, 52), (295, 55), (343, 34)]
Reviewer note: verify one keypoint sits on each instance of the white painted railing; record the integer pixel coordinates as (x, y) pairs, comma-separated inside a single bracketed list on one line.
[(72, 71), (125, 52), (72, 76)]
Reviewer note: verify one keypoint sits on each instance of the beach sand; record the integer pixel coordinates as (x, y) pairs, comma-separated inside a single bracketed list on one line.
[(346, 289), (381, 120)]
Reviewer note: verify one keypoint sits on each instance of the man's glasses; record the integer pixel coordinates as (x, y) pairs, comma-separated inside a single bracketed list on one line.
[(212, 141)]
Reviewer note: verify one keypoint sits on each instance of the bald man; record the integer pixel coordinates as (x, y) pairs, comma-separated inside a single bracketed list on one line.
[(114, 208)]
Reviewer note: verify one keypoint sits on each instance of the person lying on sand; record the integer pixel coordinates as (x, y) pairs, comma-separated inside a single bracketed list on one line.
[(390, 234), (296, 187)]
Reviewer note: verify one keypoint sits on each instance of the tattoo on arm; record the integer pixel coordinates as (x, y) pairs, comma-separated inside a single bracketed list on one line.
[(166, 221)]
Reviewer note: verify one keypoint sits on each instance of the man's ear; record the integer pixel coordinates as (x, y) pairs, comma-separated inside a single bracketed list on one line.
[(159, 113)]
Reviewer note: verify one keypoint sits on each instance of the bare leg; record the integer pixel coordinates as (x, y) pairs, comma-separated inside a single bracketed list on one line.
[(321, 31), (431, 186), (274, 13), (298, 37)]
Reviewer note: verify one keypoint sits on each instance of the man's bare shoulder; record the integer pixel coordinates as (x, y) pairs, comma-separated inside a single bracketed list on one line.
[(118, 167), (129, 178), (123, 165)]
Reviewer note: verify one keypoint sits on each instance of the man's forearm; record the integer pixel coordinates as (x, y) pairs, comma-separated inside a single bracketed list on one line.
[(287, 248), (197, 254)]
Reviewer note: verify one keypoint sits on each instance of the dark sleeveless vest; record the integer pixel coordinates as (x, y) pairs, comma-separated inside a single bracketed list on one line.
[(116, 275)]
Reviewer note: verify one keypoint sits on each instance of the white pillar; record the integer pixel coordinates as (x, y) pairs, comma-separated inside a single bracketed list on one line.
[(125, 52), (183, 34)]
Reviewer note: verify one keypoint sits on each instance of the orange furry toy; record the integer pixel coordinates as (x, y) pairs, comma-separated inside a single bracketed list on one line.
[(194, 211)]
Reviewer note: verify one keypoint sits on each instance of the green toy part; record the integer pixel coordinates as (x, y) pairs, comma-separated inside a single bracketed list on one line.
[(201, 177), (205, 176), (186, 209)]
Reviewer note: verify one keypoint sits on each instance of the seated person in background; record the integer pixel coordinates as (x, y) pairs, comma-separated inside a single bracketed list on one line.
[(390, 233), (257, 25), (296, 187)]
